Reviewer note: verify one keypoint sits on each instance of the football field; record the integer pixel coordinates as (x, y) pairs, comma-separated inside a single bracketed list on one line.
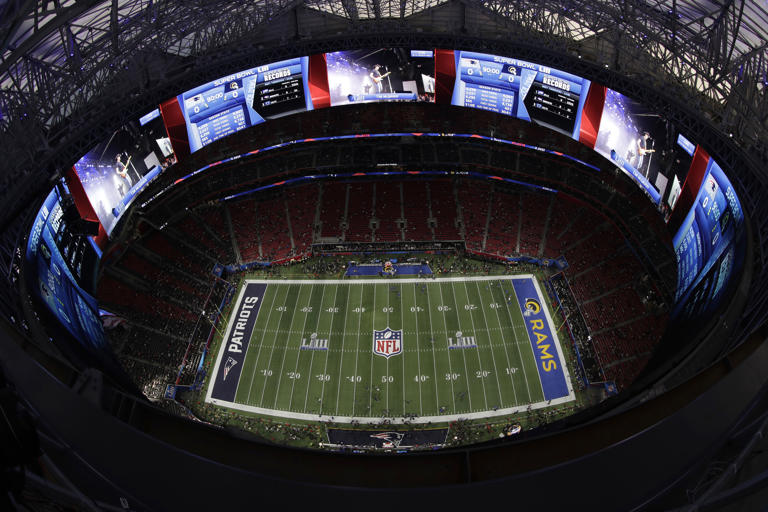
[(419, 350)]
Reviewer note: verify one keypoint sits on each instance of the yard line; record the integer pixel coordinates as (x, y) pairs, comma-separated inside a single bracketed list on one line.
[(477, 350), (325, 369), (272, 350), (418, 357), (341, 361), (450, 366), (463, 356), (400, 296), (401, 347), (493, 357), (298, 350), (517, 342), (282, 363), (373, 328), (258, 352), (330, 327), (357, 349), (506, 353), (434, 359)]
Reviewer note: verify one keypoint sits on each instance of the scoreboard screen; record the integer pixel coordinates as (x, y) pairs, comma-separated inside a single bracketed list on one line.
[(54, 275), (513, 87), (247, 98), (704, 244), (279, 91)]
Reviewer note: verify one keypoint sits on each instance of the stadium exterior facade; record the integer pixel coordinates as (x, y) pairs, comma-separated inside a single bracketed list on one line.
[(58, 100)]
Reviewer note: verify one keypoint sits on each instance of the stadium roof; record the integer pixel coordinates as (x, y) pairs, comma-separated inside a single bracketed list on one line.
[(713, 46), (72, 69)]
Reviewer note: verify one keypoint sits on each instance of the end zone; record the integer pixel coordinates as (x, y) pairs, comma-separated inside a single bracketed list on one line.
[(234, 346), (550, 363)]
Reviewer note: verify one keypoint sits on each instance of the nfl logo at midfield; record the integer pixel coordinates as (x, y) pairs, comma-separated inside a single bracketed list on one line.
[(387, 342)]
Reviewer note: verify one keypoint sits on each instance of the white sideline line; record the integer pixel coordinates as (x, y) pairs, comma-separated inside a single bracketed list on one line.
[(212, 377), (390, 281), (563, 366), (389, 419)]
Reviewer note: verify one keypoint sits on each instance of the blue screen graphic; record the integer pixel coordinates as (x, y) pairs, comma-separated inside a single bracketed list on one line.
[(705, 243), (53, 282), (525, 90), (240, 100)]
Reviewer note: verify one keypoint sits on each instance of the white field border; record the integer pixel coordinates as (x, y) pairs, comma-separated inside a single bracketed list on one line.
[(219, 357), (396, 420), (557, 341)]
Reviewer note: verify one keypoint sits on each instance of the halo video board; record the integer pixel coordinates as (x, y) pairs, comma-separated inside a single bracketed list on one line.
[(707, 243), (243, 99), (118, 168), (381, 74), (57, 262), (522, 89)]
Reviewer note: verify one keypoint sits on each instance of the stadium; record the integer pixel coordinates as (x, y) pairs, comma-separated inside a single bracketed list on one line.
[(431, 252)]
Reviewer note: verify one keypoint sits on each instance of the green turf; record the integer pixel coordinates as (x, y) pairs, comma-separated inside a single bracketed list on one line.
[(426, 380)]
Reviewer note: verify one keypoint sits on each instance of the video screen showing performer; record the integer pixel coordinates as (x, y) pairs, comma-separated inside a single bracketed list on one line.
[(114, 170), (641, 142), (384, 74)]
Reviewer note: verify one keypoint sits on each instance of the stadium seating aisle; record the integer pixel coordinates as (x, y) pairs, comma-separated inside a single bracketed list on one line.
[(564, 211), (474, 198), (332, 209), (244, 217), (533, 211), (272, 229), (502, 230), (361, 211), (212, 216), (416, 207), (302, 204), (161, 281), (443, 205), (170, 251), (389, 209), (195, 234)]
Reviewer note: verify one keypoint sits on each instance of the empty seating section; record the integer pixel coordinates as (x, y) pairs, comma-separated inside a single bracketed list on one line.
[(332, 209), (502, 230), (619, 268), (360, 211), (152, 311), (612, 308), (443, 205), (474, 197), (175, 253), (388, 211), (244, 214), (564, 210), (154, 276), (302, 203), (533, 216), (216, 244), (272, 229), (581, 238), (214, 219), (416, 207), (626, 349)]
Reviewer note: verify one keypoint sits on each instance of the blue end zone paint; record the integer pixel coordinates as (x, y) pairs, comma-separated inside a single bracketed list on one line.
[(235, 343), (548, 360), (400, 270)]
